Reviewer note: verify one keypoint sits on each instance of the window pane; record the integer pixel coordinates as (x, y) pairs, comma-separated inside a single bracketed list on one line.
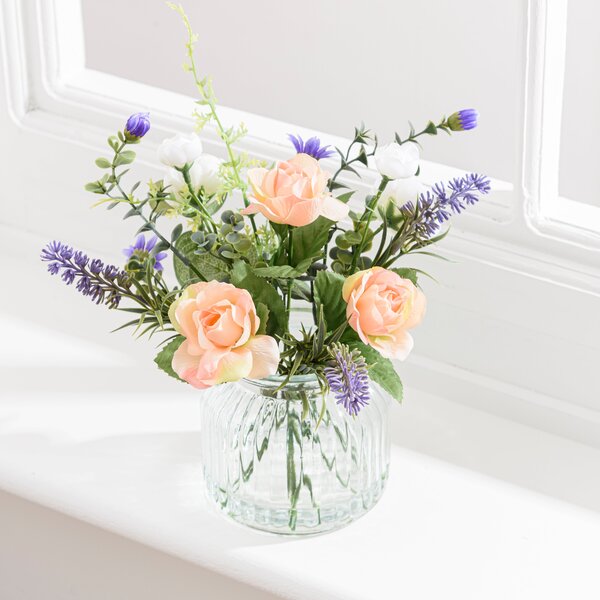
[(330, 65), (579, 176)]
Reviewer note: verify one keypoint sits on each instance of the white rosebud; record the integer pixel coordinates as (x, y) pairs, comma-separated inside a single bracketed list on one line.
[(204, 173), (397, 162), (401, 191), (180, 150)]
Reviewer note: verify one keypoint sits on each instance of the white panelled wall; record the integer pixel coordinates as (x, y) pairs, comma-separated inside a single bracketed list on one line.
[(513, 324)]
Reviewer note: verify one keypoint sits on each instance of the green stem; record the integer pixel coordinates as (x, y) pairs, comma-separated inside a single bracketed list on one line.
[(186, 177), (210, 102), (427, 130), (148, 223), (368, 214), (290, 281), (348, 161)]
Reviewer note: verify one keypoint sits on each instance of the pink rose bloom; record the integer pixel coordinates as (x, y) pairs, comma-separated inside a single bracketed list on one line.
[(382, 306), (219, 323), (294, 193)]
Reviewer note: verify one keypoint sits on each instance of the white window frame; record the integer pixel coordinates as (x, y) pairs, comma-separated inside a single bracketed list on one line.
[(549, 214)]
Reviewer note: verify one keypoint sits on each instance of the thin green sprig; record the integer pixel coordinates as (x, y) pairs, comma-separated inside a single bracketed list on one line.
[(208, 99)]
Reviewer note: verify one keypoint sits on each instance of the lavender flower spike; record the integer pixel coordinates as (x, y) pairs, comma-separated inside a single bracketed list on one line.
[(312, 147), (463, 120), (348, 378), (436, 206), (137, 125), (102, 283)]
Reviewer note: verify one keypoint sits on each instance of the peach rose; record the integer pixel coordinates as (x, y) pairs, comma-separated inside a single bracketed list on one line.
[(294, 193), (219, 322), (382, 306)]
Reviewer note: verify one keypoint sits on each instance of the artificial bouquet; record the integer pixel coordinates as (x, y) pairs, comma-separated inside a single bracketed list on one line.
[(249, 240)]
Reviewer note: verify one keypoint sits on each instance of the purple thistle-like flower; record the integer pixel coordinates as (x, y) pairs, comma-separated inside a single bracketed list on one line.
[(141, 250), (138, 125), (312, 147), (437, 205), (102, 283), (348, 378), (463, 120)]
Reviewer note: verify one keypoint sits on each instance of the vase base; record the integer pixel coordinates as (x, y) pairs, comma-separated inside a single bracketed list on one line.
[(300, 521)]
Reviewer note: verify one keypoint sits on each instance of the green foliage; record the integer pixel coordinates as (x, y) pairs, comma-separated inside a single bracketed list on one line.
[(310, 352), (262, 311), (308, 241), (125, 157), (103, 163), (165, 357), (328, 295), (261, 291), (407, 273), (209, 266), (284, 271), (366, 142)]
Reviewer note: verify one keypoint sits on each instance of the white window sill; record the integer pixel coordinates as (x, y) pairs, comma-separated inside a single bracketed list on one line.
[(457, 519)]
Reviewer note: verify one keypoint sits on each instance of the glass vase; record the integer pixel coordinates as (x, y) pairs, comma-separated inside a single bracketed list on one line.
[(286, 460)]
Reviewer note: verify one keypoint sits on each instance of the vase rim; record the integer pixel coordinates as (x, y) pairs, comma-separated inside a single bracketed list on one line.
[(273, 381)]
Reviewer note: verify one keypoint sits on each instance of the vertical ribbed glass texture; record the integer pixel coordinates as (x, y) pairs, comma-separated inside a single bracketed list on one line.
[(268, 465)]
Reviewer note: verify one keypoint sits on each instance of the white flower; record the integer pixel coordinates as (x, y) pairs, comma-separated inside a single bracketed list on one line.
[(401, 191), (397, 162), (204, 173), (180, 150)]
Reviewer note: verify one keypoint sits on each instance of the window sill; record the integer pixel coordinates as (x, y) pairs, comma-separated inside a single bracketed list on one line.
[(457, 519)]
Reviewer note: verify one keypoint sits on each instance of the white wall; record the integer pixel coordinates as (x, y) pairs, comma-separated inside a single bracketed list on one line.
[(328, 65)]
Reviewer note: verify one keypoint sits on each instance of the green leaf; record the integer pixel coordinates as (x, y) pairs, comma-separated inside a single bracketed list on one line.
[(301, 291), (346, 196), (176, 232), (362, 157), (284, 271), (381, 370), (124, 158), (208, 265), (262, 312), (328, 294), (309, 241), (103, 163), (165, 357), (279, 229), (406, 273), (94, 187), (261, 291)]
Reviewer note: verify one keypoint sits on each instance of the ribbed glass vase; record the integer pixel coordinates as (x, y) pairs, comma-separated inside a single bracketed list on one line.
[(269, 466)]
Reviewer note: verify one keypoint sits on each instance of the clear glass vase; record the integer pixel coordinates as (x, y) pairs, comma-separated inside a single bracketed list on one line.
[(275, 460)]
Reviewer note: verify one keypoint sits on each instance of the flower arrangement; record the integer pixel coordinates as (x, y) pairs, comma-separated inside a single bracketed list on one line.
[(249, 240)]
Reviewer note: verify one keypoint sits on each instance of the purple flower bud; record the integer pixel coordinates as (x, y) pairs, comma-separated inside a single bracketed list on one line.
[(137, 125), (463, 120)]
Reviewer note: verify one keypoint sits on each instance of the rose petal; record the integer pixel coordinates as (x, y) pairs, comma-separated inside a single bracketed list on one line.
[(397, 344), (334, 209), (265, 356)]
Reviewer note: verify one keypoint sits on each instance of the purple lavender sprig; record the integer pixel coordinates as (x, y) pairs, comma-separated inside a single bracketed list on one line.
[(312, 147), (348, 378), (101, 283), (437, 205)]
